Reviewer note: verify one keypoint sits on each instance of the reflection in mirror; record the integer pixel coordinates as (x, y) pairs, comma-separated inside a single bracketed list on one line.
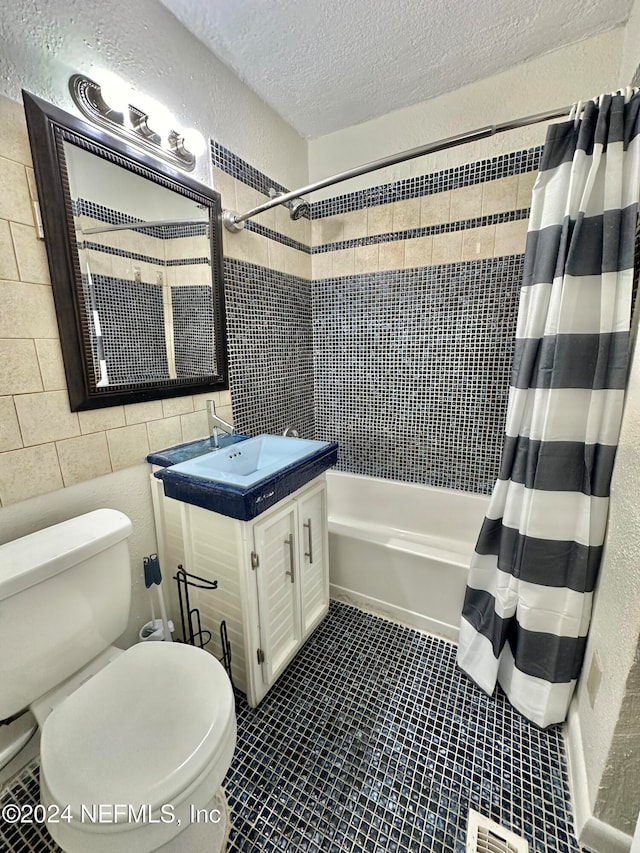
[(146, 274), (135, 256)]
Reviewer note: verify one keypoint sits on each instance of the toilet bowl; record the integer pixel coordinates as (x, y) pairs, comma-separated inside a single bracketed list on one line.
[(134, 744)]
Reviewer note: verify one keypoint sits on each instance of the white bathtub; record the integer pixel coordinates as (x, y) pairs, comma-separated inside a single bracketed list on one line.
[(402, 550)]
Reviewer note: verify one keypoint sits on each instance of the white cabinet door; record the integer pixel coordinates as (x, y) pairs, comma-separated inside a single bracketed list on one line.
[(313, 562), (277, 581)]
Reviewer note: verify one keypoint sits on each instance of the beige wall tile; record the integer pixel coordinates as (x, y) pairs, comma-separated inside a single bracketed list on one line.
[(29, 472), (268, 218), (14, 141), (366, 259), (46, 417), (15, 200), (10, 437), (379, 219), (447, 248), (258, 250), (222, 398), (525, 189), (96, 420), (196, 425), (30, 254), (434, 209), (501, 195), (284, 223), (137, 413), (128, 446), (83, 458), (511, 238), (322, 265), (406, 214), (173, 406), (246, 197), (478, 243), (51, 364), (466, 203), (417, 252), (330, 229), (27, 311), (8, 265), (391, 255), (343, 262), (296, 262), (226, 186), (19, 369), (276, 255), (225, 413), (354, 224), (164, 433)]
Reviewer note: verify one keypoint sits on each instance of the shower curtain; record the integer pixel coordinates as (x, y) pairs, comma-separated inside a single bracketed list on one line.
[(528, 601)]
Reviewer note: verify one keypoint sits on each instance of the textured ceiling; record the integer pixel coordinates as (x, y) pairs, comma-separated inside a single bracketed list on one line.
[(327, 64)]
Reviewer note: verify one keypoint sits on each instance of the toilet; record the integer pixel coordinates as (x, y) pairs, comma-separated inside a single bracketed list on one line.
[(134, 744)]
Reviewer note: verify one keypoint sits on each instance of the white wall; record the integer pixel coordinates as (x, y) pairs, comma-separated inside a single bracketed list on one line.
[(43, 44), (554, 80)]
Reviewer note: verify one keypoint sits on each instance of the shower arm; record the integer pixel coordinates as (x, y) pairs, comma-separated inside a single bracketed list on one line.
[(235, 221)]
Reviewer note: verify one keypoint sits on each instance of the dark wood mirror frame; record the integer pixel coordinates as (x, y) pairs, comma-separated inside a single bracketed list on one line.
[(49, 128)]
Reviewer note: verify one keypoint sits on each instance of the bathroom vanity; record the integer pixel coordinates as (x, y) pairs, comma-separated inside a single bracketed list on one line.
[(271, 567)]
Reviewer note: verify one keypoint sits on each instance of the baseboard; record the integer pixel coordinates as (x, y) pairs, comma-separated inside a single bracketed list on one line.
[(408, 618), (591, 832)]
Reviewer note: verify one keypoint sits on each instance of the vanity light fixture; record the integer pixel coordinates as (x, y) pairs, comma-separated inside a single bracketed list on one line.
[(153, 129)]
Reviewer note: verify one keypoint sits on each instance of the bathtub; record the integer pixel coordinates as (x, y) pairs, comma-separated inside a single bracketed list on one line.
[(402, 550)]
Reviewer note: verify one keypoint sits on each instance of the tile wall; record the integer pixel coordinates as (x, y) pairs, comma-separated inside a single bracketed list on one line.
[(415, 294), (268, 293), (43, 445)]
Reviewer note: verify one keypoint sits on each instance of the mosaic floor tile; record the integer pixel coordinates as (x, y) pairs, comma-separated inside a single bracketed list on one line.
[(374, 741)]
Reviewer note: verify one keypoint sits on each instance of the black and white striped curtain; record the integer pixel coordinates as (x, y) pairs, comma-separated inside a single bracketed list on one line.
[(528, 602)]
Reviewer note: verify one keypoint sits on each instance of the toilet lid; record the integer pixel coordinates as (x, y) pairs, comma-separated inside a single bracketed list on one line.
[(140, 731)]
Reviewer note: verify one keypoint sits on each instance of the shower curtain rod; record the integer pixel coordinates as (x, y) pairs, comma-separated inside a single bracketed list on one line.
[(235, 222)]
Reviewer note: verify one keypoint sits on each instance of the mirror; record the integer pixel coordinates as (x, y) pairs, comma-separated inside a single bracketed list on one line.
[(135, 257)]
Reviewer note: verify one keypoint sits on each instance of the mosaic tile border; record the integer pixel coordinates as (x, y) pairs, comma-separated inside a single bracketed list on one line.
[(424, 231), (478, 172), (276, 235), (224, 159)]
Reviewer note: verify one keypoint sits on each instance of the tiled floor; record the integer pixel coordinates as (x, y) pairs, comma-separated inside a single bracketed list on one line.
[(372, 741)]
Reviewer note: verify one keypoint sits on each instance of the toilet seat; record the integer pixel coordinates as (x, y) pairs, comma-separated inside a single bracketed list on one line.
[(139, 732)]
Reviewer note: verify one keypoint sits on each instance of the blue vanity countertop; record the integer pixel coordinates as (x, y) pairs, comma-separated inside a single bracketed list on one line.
[(244, 503), (191, 449)]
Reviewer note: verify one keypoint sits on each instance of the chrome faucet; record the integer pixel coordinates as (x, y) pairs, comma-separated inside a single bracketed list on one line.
[(216, 423)]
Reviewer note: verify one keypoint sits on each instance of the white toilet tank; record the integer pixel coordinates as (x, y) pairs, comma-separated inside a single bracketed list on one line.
[(65, 593)]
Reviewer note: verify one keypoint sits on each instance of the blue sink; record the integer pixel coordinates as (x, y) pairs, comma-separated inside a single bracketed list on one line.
[(248, 477), (191, 449)]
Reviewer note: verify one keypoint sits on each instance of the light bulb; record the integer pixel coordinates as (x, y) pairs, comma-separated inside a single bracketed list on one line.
[(116, 94), (193, 141), (160, 120)]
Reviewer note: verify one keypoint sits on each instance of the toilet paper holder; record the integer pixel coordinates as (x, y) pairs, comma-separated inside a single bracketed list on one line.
[(192, 631)]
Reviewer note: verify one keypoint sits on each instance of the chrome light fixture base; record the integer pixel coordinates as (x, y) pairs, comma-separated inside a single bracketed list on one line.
[(87, 96)]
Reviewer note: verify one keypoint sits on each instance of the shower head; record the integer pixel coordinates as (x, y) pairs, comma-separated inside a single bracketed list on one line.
[(297, 206)]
